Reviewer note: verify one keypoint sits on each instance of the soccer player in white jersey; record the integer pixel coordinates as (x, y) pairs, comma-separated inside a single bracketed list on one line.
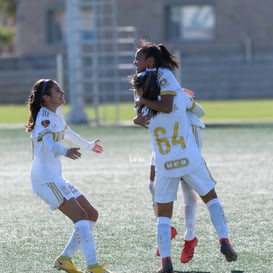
[(144, 88), (176, 152), (48, 130), (189, 195)]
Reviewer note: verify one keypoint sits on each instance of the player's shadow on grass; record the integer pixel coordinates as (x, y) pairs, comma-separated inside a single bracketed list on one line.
[(232, 271), (175, 271)]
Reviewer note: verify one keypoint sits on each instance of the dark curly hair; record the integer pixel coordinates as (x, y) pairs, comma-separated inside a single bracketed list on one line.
[(147, 80)]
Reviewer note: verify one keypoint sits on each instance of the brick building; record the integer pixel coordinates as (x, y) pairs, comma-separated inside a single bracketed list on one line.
[(185, 25), (226, 47)]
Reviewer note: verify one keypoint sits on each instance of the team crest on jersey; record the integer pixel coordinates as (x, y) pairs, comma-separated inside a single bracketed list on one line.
[(163, 82), (45, 123)]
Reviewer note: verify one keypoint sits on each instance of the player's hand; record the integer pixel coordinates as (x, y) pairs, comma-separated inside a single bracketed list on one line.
[(142, 120), (189, 92), (73, 153), (97, 148)]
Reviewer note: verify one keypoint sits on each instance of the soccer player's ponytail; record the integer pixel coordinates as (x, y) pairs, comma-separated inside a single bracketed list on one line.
[(35, 100), (162, 57), (168, 60)]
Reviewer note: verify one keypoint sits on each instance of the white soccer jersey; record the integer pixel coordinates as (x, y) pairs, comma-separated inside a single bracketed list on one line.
[(175, 149), (47, 136), (194, 120)]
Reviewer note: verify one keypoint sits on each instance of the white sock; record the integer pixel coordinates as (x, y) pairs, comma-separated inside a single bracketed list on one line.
[(163, 233), (73, 244), (92, 224), (86, 240), (218, 218), (71, 247), (190, 204)]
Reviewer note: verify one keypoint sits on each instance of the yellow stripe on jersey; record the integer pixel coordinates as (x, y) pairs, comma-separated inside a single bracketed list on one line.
[(41, 135), (192, 107), (56, 192), (56, 136), (168, 92)]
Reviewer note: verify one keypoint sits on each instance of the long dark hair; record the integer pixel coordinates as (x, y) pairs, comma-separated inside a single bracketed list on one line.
[(163, 58), (35, 100), (147, 80)]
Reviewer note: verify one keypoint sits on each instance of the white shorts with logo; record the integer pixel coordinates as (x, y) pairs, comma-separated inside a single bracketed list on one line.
[(199, 179), (54, 193)]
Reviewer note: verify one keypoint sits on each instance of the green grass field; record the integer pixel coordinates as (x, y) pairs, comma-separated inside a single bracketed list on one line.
[(216, 111), (116, 182)]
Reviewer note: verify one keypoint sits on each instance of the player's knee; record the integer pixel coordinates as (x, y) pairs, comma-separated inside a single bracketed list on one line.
[(82, 214), (209, 196), (93, 215)]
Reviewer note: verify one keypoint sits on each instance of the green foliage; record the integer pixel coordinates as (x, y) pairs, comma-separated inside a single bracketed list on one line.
[(8, 7), (6, 35)]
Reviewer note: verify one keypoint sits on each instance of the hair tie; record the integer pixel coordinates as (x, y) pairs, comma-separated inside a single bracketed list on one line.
[(45, 82)]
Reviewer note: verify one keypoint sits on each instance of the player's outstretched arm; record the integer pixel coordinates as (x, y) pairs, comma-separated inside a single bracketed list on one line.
[(76, 139), (97, 148)]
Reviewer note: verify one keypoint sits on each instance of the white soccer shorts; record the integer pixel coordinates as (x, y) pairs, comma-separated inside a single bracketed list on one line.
[(54, 193), (198, 179)]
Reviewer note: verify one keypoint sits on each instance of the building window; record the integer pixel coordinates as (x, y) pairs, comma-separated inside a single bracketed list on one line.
[(190, 22), (87, 24), (56, 26)]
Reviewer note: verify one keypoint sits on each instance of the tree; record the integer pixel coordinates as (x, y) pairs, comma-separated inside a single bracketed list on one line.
[(8, 7), (7, 24), (6, 35)]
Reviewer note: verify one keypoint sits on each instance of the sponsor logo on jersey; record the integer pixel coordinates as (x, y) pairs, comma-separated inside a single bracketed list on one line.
[(178, 163), (58, 136), (45, 123)]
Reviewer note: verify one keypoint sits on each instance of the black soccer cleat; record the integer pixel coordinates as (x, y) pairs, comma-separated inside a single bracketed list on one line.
[(227, 250), (167, 267)]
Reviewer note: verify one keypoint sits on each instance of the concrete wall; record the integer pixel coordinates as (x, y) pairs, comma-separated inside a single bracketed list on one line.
[(31, 31), (229, 76), (18, 74), (236, 64), (236, 22), (212, 76)]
